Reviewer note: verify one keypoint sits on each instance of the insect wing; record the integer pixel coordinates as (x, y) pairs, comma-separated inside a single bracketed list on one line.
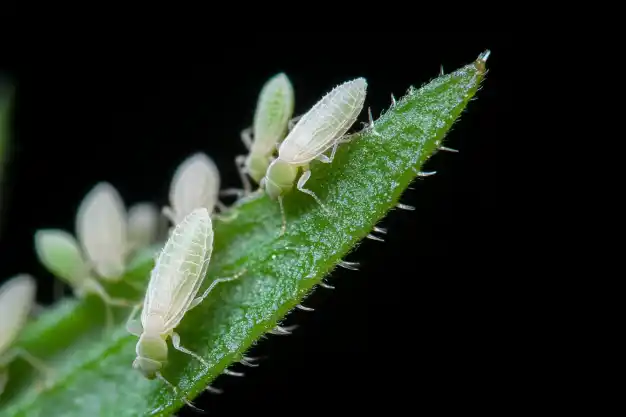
[(180, 269), (330, 118), (101, 229), (195, 184), (274, 109), (17, 297)]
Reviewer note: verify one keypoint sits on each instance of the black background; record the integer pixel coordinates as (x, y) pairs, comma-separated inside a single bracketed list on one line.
[(412, 328)]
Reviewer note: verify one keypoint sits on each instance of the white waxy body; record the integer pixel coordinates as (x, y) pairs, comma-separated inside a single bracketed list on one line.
[(195, 184), (274, 109), (329, 119), (17, 298), (321, 128), (60, 253), (179, 272), (101, 228)]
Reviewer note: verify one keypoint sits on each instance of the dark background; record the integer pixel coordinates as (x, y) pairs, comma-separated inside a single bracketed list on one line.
[(413, 327)]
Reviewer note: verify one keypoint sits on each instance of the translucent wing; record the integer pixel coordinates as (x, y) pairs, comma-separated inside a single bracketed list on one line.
[(180, 269), (17, 297), (273, 111), (328, 119), (101, 230), (195, 184)]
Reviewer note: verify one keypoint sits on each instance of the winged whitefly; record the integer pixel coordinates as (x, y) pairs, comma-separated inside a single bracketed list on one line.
[(195, 184), (274, 109), (101, 228), (17, 298), (60, 253), (179, 271), (321, 128)]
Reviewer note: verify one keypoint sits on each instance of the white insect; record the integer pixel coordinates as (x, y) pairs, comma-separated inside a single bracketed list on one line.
[(195, 184), (175, 280), (17, 298), (108, 235), (59, 252), (101, 228), (274, 109), (319, 129)]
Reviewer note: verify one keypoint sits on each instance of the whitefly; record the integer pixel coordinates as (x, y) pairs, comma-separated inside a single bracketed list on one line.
[(321, 128), (101, 228), (108, 235), (106, 238), (272, 115), (60, 253), (17, 298), (177, 276), (195, 184)]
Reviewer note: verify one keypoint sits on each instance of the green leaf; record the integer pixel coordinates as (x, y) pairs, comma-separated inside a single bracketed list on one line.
[(93, 374)]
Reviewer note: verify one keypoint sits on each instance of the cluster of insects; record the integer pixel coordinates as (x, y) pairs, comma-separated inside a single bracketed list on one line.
[(280, 150)]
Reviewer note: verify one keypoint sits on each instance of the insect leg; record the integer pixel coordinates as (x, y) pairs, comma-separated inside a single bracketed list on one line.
[(303, 179), (133, 326), (291, 123), (227, 218), (36, 363), (198, 300), (169, 214), (227, 192), (177, 346), (328, 159), (371, 119), (94, 287), (246, 137), (283, 227), (240, 162), (221, 206)]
